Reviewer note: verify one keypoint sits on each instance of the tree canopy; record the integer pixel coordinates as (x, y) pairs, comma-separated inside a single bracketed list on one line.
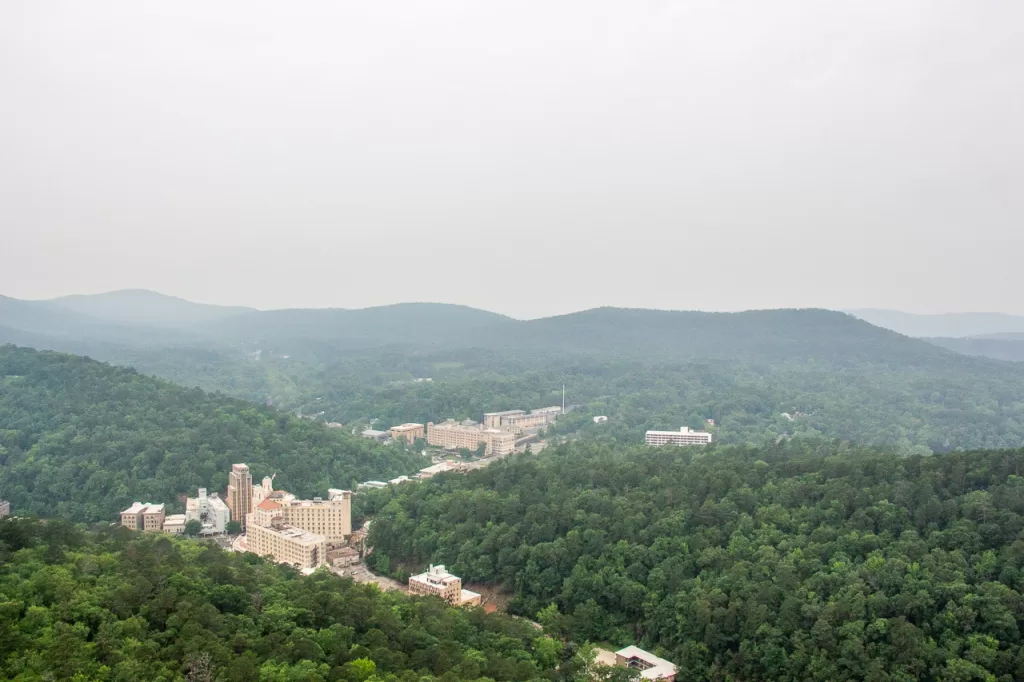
[(807, 560)]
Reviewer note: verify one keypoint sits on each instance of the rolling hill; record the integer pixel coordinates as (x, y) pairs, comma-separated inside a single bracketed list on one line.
[(81, 440), (140, 307)]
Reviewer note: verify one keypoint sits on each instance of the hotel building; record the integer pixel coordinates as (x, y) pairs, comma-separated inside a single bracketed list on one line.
[(451, 435), (240, 493), (268, 535)]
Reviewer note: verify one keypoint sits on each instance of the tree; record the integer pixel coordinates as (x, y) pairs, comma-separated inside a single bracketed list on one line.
[(193, 528), (233, 527)]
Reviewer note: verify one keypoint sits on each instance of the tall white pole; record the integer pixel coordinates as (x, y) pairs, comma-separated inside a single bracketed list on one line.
[(563, 398)]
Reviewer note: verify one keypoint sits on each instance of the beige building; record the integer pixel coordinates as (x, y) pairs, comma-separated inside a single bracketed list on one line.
[(268, 535), (518, 421), (410, 432), (440, 583), (144, 516), (452, 435), (684, 436), (239, 493)]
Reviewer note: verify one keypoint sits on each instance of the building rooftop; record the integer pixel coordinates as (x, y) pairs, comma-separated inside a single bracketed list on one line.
[(503, 413), (468, 595), (269, 505), (407, 427), (373, 433), (436, 575), (657, 667), (296, 534), (144, 507)]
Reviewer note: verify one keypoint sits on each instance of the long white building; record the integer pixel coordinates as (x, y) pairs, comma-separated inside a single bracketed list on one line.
[(684, 436)]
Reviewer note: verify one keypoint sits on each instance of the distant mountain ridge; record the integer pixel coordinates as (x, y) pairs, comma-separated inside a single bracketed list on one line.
[(645, 368), (949, 325), (141, 307)]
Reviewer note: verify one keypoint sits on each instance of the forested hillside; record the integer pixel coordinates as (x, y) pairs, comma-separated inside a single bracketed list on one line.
[(122, 607), (804, 561), (82, 440)]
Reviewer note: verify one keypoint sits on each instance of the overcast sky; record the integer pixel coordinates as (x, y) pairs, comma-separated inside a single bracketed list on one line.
[(525, 157)]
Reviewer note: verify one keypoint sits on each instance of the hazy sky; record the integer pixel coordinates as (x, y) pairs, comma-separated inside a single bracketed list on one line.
[(526, 157)]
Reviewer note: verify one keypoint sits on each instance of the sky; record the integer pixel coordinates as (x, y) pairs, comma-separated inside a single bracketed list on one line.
[(526, 157)]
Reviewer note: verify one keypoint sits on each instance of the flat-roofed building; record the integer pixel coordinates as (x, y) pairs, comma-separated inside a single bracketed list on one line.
[(452, 435), (684, 436), (374, 434), (209, 510), (371, 485), (493, 420), (239, 493), (439, 582), (650, 666), (174, 524), (144, 516), (518, 421), (408, 432), (268, 535), (440, 468)]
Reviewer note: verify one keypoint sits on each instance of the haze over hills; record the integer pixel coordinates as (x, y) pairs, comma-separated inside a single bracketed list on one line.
[(956, 325)]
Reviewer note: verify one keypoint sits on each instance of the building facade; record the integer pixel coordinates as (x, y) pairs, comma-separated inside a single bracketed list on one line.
[(409, 432), (145, 517), (240, 493), (5, 508), (268, 535), (684, 436), (209, 510), (452, 435), (438, 582)]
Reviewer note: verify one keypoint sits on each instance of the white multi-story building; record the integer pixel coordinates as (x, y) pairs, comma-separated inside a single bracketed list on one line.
[(684, 436), (174, 524), (5, 508), (440, 583), (209, 510)]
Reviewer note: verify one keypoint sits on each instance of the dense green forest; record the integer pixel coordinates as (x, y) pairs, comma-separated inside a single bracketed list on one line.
[(81, 440), (807, 560), (122, 607), (837, 376)]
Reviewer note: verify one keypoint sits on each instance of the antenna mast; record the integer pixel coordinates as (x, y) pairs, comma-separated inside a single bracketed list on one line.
[(563, 398)]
